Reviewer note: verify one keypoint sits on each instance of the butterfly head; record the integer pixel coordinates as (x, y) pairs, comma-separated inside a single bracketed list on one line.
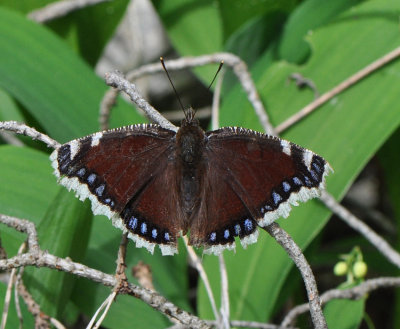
[(190, 119)]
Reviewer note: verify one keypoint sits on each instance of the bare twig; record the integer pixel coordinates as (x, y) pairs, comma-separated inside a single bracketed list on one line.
[(39, 258), (108, 101), (238, 66), (142, 272), (225, 311), (339, 88), (376, 240), (351, 293), (25, 226), (41, 319), (106, 306), (11, 139), (60, 9), (22, 129), (116, 80), (7, 298), (196, 262), (308, 277)]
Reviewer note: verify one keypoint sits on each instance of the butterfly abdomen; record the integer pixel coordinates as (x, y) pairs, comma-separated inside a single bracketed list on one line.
[(190, 140)]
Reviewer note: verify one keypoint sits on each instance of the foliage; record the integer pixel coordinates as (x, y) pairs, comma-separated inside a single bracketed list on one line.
[(47, 80)]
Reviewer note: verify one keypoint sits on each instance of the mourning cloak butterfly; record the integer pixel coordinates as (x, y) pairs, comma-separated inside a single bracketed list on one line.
[(157, 184)]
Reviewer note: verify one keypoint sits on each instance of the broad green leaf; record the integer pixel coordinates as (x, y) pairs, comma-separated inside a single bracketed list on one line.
[(347, 132), (64, 232), (27, 185), (88, 30), (344, 313), (305, 18), (235, 13), (57, 88), (194, 28), (8, 108)]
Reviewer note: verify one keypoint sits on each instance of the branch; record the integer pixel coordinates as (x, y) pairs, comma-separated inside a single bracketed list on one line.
[(22, 129), (116, 80), (338, 89), (298, 258), (376, 240), (352, 293), (60, 9), (42, 258), (239, 68)]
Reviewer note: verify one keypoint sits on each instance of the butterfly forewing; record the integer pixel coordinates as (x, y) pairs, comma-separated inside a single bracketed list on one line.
[(114, 169), (258, 178)]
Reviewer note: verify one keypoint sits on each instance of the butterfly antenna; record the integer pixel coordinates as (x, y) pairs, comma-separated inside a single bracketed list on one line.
[(215, 76), (173, 87)]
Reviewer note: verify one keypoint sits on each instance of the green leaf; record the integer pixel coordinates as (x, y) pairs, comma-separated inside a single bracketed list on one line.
[(307, 17), (344, 313), (189, 25), (8, 108), (88, 30), (347, 132), (54, 85), (64, 231), (235, 13)]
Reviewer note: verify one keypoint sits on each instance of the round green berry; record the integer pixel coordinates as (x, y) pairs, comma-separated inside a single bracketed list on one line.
[(340, 269), (359, 269)]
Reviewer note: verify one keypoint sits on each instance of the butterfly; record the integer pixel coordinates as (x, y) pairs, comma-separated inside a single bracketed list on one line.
[(157, 184)]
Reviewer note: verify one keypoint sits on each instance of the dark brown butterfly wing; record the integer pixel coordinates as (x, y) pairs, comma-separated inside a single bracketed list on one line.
[(127, 173), (251, 178)]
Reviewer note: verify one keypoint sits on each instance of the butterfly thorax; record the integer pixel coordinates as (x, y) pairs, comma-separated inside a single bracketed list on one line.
[(190, 142)]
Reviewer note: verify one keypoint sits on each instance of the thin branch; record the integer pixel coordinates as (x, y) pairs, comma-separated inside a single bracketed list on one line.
[(116, 80), (195, 260), (339, 88), (18, 281), (60, 9), (25, 226), (356, 292), (376, 240), (239, 68), (108, 101), (298, 258), (225, 308), (7, 299), (22, 129), (11, 139), (41, 319)]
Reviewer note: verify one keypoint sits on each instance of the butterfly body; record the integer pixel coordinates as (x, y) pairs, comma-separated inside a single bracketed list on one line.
[(157, 184)]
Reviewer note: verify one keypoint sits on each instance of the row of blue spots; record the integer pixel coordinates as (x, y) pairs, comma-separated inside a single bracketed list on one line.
[(248, 227), (133, 224)]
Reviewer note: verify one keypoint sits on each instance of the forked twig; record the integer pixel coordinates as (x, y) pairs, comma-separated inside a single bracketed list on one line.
[(352, 293)]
